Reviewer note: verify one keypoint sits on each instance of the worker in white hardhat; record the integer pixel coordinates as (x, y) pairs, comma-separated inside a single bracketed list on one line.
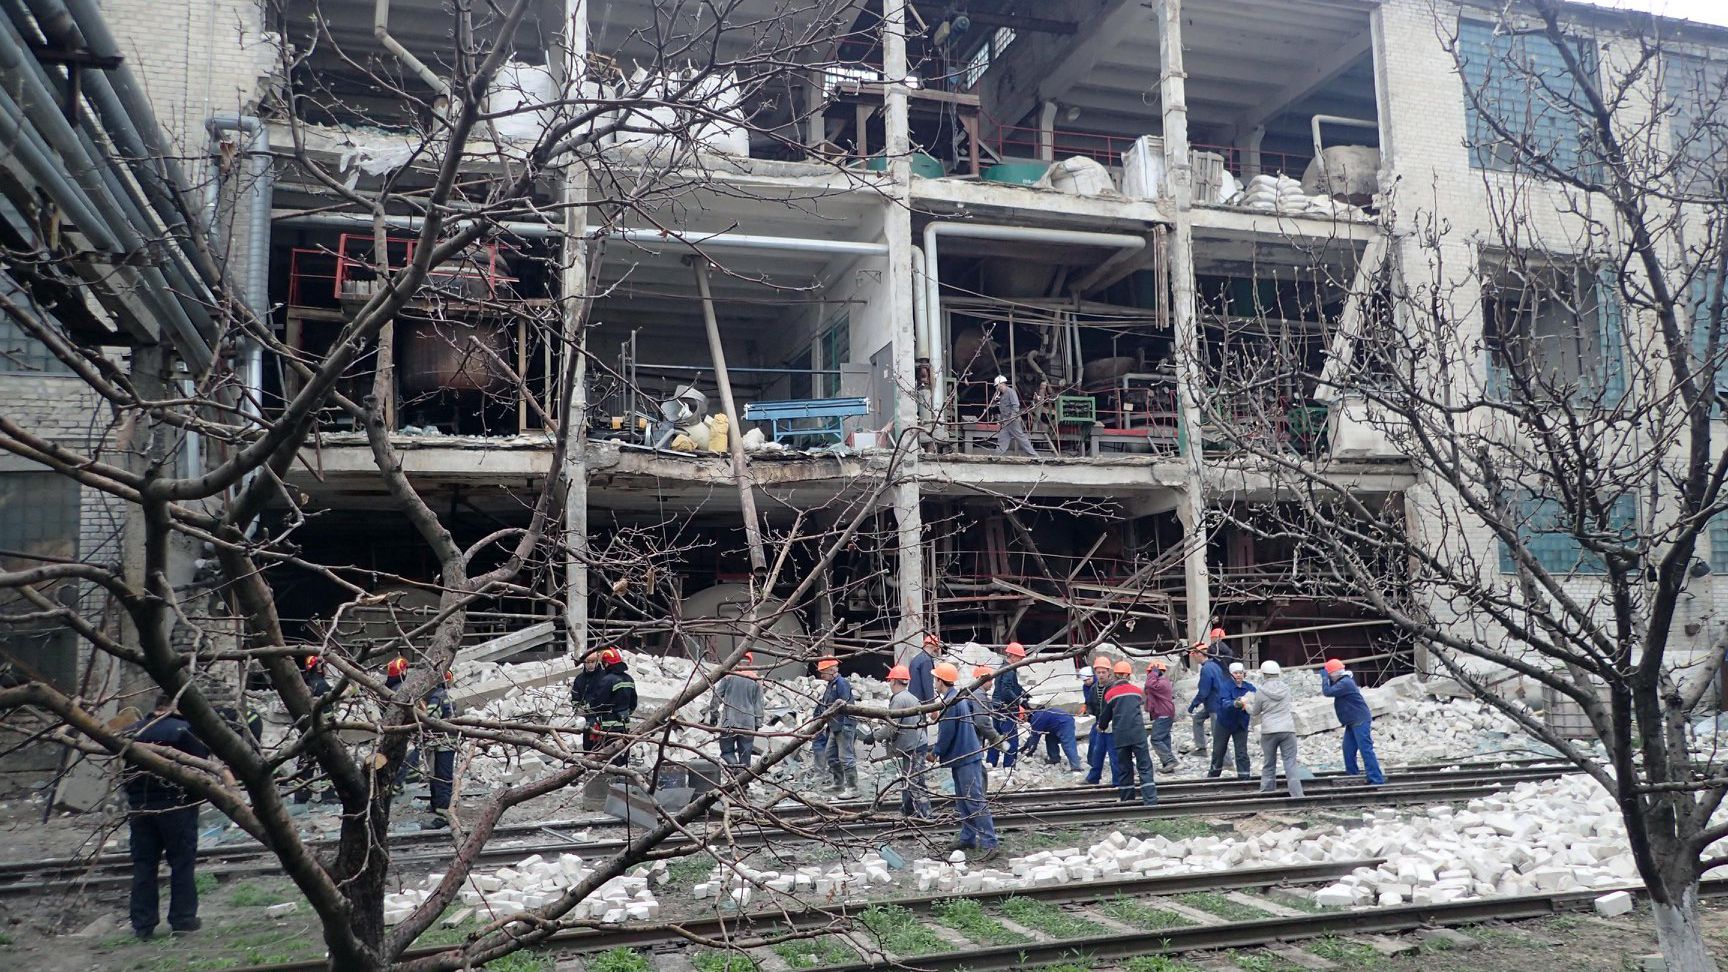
[(1011, 423), (1274, 704)]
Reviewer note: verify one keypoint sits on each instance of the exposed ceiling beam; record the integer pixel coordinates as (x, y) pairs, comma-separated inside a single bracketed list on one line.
[(1321, 72), (1053, 74), (1017, 22)]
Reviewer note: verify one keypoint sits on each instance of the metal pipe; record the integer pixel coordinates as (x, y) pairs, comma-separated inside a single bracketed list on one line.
[(530, 228), (735, 440), (1337, 120), (987, 231), (381, 30), (261, 191)]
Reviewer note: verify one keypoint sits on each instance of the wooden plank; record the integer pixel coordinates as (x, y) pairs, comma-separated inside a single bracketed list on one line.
[(506, 645)]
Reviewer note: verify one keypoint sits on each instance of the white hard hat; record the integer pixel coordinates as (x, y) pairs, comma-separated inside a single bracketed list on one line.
[(1001, 379), (1270, 667), (1236, 667)]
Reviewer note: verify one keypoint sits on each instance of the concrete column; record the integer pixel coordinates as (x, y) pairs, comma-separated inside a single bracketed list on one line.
[(1190, 373), (573, 289), (897, 230)]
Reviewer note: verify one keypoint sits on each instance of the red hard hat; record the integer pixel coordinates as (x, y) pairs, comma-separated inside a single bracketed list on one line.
[(397, 666), (312, 662), (899, 674), (1334, 666), (946, 673), (823, 664), (1015, 650), (611, 656), (449, 676), (749, 658)]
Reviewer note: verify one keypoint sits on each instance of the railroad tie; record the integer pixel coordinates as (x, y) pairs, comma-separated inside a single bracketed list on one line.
[(1298, 957), (1031, 933), (1263, 904), (1192, 914)]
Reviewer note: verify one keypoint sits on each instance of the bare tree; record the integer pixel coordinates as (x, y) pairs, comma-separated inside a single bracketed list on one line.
[(604, 147), (1554, 385)]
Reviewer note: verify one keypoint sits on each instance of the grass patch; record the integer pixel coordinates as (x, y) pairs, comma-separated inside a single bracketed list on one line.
[(1158, 963), (1507, 938), (257, 896), (810, 952), (5, 939), (1131, 912), (1344, 952), (1049, 919), (717, 961), (1261, 962), (206, 883), (612, 960), (535, 962), (1175, 828), (900, 932), (1046, 839), (686, 871), (1214, 903), (451, 935), (968, 918)]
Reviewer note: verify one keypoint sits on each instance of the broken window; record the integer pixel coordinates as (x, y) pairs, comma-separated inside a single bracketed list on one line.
[(1521, 101), (1556, 327), (1545, 527), (1697, 90)]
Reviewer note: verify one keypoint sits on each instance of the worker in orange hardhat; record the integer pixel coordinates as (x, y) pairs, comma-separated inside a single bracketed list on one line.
[(960, 750), (1354, 715), (1007, 699), (842, 753), (1099, 746), (735, 711), (909, 743), (1124, 720)]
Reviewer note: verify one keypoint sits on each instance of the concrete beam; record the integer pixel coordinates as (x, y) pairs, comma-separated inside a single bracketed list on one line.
[(1316, 75), (1046, 72)]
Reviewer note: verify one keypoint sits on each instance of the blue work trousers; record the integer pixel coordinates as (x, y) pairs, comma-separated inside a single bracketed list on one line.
[(1159, 733), (1098, 746), (1009, 750), (914, 788), (977, 829), (1138, 755), (736, 748), (1359, 738), (1057, 745), (156, 834)]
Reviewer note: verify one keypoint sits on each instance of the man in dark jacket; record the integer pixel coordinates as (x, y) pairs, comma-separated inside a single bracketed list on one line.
[(842, 754), (1098, 744), (1214, 673), (306, 767), (1230, 725), (1124, 718), (611, 701), (1007, 698), (1356, 718), (1160, 712), (919, 667), (163, 822), (959, 749), (443, 750)]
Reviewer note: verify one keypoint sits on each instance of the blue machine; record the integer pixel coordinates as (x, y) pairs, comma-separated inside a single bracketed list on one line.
[(820, 418)]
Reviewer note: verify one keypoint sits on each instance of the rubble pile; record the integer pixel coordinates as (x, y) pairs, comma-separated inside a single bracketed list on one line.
[(536, 882), (738, 883)]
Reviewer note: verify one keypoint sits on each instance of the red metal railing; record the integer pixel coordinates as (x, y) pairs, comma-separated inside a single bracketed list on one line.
[(354, 259)]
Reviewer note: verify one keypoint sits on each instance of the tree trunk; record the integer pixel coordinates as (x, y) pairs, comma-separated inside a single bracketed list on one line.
[(1680, 935), (362, 861)]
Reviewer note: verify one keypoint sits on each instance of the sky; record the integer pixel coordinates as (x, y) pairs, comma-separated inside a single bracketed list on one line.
[(1702, 11)]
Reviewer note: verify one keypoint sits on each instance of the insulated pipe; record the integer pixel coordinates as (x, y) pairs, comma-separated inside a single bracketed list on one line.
[(260, 188), (646, 237), (987, 231), (1337, 120), (381, 30), (920, 308)]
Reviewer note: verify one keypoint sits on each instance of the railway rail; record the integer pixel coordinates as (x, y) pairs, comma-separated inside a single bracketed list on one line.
[(1059, 808)]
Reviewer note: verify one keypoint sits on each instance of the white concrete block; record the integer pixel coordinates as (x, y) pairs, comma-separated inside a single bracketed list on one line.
[(282, 910), (1612, 905)]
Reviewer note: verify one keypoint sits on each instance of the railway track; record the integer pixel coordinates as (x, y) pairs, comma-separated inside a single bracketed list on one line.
[(1013, 811)]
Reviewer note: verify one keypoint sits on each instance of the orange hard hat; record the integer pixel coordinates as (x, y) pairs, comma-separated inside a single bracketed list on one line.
[(397, 666), (982, 670), (947, 673), (823, 664), (1198, 646), (1015, 650), (611, 656), (1160, 664), (1334, 666), (1124, 668), (1102, 661), (899, 674)]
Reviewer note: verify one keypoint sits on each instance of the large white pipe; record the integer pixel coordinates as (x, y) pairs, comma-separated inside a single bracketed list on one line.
[(644, 237), (938, 336)]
